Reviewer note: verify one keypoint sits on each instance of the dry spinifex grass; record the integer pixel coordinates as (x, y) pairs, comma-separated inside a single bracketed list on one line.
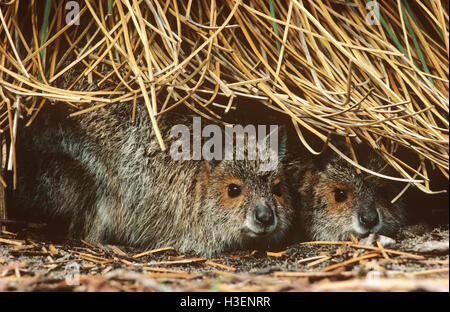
[(332, 66)]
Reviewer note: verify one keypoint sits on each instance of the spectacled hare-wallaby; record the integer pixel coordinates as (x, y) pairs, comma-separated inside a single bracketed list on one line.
[(104, 178), (334, 201)]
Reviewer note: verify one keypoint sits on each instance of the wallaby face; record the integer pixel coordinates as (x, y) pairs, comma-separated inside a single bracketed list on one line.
[(251, 206), (336, 201)]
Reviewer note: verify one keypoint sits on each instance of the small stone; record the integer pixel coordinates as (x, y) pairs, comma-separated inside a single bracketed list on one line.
[(371, 240), (432, 246)]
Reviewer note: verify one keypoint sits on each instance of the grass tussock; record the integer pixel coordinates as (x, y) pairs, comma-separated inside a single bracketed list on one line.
[(377, 74)]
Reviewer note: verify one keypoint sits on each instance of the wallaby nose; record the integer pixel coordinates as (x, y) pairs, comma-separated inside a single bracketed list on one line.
[(368, 218), (263, 214)]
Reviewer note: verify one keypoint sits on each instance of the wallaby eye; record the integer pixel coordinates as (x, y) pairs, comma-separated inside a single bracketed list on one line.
[(340, 195), (276, 190), (234, 190)]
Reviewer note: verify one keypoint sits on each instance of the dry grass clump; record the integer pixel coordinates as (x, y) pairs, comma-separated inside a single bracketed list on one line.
[(334, 67)]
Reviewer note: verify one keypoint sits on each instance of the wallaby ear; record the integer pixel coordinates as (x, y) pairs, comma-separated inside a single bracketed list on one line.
[(213, 151), (329, 155), (211, 164), (323, 159)]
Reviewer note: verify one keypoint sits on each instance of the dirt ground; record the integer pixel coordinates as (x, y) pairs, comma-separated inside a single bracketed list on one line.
[(417, 260)]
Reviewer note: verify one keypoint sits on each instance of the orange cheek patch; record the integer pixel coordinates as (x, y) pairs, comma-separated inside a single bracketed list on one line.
[(333, 205), (226, 201), (280, 199)]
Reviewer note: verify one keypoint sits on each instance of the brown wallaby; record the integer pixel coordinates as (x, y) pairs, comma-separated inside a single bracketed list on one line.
[(334, 201), (103, 177)]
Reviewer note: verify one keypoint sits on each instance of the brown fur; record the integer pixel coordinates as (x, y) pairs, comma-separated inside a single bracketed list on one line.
[(325, 214), (104, 178)]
